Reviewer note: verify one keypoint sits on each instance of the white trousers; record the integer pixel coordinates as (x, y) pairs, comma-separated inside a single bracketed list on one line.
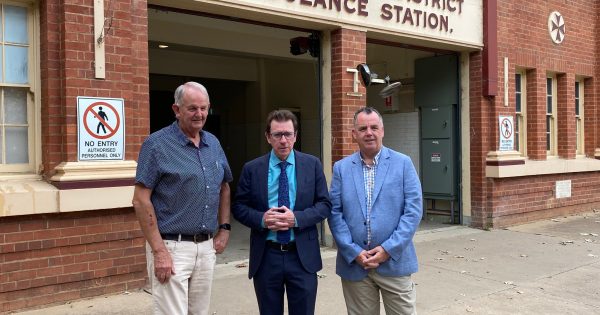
[(188, 291)]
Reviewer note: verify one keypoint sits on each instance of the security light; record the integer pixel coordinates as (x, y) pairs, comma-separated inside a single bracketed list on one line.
[(369, 77)]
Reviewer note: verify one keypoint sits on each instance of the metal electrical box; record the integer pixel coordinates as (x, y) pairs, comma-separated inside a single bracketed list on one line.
[(439, 120), (437, 96), (437, 154)]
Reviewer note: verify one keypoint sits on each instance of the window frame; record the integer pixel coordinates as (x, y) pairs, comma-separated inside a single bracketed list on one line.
[(580, 117), (33, 93), (521, 115), (551, 121)]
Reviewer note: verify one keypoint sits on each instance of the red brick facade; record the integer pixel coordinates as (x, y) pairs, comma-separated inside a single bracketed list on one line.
[(348, 49), (67, 71), (65, 256), (60, 257), (523, 38)]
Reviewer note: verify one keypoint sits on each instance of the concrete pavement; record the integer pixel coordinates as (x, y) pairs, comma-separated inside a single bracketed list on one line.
[(546, 267)]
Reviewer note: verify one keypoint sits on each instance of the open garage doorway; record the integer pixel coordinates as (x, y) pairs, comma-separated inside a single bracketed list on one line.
[(248, 70), (422, 119)]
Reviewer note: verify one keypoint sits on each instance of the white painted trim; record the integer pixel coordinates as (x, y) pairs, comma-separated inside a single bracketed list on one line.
[(30, 194), (72, 171), (99, 39), (26, 197), (548, 167), (95, 198), (465, 138)]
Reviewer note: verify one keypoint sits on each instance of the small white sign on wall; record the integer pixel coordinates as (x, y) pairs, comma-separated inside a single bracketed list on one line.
[(563, 189), (100, 129), (507, 134)]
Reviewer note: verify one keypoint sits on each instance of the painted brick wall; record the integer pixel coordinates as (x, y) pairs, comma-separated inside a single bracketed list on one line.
[(348, 49), (60, 257), (402, 134), (67, 71), (523, 38)]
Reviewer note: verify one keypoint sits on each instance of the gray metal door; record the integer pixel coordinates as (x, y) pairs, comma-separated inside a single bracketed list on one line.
[(437, 97)]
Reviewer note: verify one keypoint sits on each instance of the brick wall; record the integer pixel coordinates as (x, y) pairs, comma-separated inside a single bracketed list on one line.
[(348, 50), (60, 257), (67, 71), (523, 38), (524, 199), (479, 109)]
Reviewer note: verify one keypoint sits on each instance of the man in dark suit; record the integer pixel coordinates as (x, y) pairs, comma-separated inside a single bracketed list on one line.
[(281, 196)]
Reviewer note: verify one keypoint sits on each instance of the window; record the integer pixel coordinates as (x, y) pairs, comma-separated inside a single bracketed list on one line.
[(17, 123), (579, 116), (551, 137), (521, 113)]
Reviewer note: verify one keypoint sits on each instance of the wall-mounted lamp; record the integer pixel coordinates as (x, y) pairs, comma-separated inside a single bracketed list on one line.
[(369, 77), (163, 46)]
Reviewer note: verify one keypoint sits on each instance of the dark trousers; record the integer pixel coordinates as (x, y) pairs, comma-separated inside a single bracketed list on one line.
[(280, 272)]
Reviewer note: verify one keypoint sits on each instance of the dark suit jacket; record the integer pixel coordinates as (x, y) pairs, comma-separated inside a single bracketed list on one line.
[(312, 206)]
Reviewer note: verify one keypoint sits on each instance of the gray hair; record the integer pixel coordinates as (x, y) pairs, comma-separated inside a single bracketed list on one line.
[(180, 91), (367, 110)]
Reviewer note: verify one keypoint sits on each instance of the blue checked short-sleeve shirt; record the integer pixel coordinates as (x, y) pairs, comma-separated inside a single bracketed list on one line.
[(185, 180)]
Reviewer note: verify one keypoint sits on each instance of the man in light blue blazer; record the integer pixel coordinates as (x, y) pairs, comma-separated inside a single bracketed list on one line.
[(376, 209)]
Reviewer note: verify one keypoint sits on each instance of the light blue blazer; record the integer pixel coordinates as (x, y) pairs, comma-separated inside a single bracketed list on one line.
[(395, 215)]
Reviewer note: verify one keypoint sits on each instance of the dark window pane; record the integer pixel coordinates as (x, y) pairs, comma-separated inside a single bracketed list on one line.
[(518, 102)]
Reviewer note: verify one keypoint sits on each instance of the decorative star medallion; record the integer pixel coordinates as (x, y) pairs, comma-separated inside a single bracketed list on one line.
[(556, 27)]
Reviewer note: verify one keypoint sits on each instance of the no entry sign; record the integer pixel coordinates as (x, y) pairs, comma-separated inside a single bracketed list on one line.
[(507, 133), (100, 128)]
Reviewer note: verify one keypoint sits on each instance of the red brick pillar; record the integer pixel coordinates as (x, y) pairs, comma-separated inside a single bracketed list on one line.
[(536, 114), (348, 49), (567, 139), (481, 110), (51, 73), (67, 63)]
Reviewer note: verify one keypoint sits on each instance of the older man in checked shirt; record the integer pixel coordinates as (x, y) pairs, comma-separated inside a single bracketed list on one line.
[(376, 209), (181, 199)]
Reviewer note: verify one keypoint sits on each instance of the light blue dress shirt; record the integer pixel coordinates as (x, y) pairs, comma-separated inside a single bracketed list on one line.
[(273, 186)]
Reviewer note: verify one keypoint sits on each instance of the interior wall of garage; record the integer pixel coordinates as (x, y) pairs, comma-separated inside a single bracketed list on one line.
[(248, 71)]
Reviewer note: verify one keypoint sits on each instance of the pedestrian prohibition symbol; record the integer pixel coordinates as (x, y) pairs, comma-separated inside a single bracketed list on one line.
[(100, 128), (507, 134)]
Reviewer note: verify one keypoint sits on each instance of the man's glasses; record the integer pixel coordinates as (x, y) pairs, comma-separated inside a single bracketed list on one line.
[(287, 135)]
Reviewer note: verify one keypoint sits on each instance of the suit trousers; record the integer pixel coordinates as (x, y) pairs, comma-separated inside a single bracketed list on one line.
[(282, 272), (188, 290), (398, 293)]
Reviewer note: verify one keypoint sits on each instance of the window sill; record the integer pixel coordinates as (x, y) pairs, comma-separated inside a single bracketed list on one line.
[(29, 194), (550, 166)]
